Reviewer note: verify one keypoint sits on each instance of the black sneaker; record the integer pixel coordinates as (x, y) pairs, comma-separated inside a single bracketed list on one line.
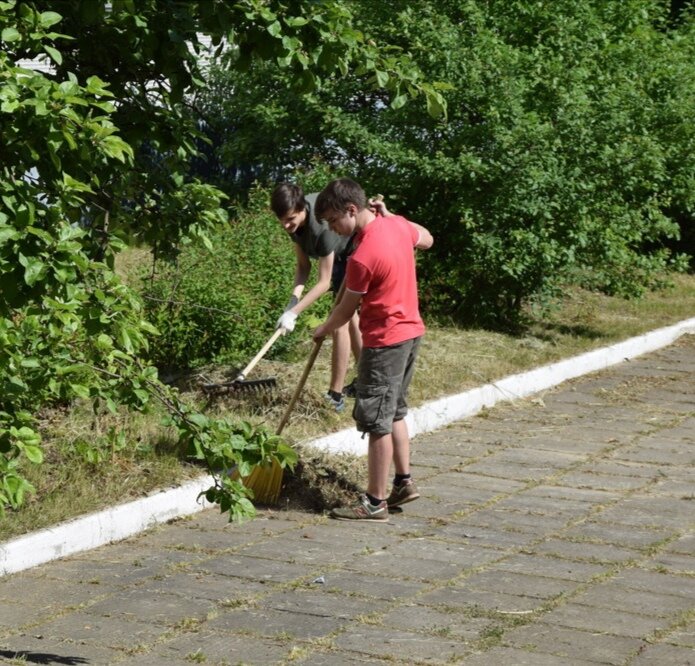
[(350, 391)]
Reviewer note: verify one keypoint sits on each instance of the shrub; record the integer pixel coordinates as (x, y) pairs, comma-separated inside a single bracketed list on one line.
[(220, 303)]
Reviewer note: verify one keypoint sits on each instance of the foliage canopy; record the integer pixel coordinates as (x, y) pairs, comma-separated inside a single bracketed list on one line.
[(95, 153)]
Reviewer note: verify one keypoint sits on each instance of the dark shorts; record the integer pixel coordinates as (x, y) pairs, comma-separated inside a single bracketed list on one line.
[(383, 377), (338, 274)]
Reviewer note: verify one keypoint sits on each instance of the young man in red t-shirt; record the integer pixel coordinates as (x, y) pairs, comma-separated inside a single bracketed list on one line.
[(380, 279)]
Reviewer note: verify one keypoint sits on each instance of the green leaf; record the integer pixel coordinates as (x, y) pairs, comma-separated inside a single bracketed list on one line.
[(54, 54), (34, 270), (11, 35), (47, 19), (80, 390), (399, 101), (275, 29), (34, 454)]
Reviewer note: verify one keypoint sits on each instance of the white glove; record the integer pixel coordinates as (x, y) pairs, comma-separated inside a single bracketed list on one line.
[(287, 320)]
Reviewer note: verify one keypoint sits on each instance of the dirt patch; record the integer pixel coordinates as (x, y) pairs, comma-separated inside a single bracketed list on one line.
[(321, 481)]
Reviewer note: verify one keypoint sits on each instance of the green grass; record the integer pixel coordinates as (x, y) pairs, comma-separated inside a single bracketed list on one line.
[(451, 360)]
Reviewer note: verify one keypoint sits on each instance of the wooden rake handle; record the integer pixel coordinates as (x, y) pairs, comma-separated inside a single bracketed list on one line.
[(300, 386), (264, 350)]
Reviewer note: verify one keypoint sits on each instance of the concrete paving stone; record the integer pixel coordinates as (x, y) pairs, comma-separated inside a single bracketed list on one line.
[(664, 512), (518, 657), (406, 567), (593, 480), (103, 570), (14, 615), (209, 647), (211, 587), (185, 537), (341, 658), (497, 539), (630, 536), (570, 443), (270, 623), (463, 554), (55, 597), (657, 581), (680, 487), (678, 564), (560, 491), (253, 568), (403, 645), (605, 620), (113, 632), (516, 521), (673, 402), (552, 567), (343, 535), (140, 604), (499, 469), (612, 595), (444, 493), (684, 637), (471, 556), (318, 600), (479, 488), (577, 550), (568, 646), (436, 509), (462, 598), (423, 619), (423, 465), (684, 545), (32, 650), (539, 459), (507, 582), (542, 506), (663, 655), (373, 586), (622, 468), (297, 549), (666, 455)]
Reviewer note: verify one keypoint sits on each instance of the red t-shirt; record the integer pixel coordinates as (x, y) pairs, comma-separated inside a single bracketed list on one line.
[(382, 268)]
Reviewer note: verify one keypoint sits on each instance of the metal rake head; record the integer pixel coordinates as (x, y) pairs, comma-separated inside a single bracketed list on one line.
[(242, 386)]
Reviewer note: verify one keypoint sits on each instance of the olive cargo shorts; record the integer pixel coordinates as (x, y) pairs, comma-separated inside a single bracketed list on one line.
[(383, 377)]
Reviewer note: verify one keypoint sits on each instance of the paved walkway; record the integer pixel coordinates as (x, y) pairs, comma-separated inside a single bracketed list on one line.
[(556, 530)]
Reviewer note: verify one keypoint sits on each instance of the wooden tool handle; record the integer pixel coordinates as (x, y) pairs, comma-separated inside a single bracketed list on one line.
[(260, 355), (300, 386)]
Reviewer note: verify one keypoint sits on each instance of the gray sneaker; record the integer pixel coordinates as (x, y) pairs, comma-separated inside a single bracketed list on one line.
[(338, 405), (362, 510), (402, 494)]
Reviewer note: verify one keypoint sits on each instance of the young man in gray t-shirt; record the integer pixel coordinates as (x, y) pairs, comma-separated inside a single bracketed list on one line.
[(314, 240)]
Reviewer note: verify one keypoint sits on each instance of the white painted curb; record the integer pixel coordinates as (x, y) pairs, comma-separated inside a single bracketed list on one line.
[(125, 520), (97, 529)]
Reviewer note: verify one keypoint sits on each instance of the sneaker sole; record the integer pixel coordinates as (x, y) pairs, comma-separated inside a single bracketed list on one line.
[(362, 520), (405, 500)]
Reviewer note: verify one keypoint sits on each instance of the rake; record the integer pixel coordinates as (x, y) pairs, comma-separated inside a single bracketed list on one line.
[(240, 383)]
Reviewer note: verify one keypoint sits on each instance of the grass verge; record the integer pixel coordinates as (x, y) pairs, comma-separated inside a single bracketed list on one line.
[(95, 462)]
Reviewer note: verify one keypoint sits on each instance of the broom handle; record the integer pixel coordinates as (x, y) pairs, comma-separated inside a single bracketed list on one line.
[(260, 355), (300, 386)]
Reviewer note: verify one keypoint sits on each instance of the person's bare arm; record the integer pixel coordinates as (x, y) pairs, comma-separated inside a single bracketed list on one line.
[(426, 240), (301, 272), (323, 283), (340, 315)]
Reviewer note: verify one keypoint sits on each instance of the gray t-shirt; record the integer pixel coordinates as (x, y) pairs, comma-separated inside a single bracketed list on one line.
[(315, 238)]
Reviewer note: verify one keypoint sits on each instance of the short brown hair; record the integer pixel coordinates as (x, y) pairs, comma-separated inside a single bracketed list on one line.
[(287, 198), (338, 195)]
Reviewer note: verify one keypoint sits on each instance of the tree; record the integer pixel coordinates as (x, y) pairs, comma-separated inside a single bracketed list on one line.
[(566, 155), (97, 153)]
